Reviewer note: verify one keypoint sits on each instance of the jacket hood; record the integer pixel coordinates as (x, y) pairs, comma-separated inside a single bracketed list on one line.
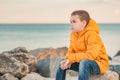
[(92, 25)]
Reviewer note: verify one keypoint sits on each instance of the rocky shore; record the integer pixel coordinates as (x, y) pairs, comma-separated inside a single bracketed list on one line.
[(40, 64)]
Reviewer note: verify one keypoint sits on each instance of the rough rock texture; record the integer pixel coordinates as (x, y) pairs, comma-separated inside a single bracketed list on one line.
[(10, 64), (8, 76), (17, 61), (33, 76), (22, 64)]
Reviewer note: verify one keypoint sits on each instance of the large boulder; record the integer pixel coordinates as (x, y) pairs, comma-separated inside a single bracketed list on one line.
[(47, 67), (17, 61), (9, 64)]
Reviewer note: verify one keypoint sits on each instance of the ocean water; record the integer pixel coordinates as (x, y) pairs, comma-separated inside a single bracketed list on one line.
[(33, 36)]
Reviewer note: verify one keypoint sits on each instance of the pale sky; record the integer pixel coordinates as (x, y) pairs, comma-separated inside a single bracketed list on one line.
[(57, 11)]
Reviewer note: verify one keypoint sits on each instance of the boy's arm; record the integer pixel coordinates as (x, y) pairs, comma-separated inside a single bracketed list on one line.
[(94, 48), (70, 49)]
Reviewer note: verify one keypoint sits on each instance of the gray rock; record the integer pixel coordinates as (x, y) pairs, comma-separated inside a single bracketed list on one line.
[(33, 76), (28, 59), (115, 64), (21, 54), (9, 64), (118, 53), (115, 68), (18, 62), (109, 58), (43, 67), (8, 76)]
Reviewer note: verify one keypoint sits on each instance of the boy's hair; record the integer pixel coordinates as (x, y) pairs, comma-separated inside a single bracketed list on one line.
[(84, 15)]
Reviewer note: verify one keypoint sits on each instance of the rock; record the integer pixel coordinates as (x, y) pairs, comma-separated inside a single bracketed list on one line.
[(43, 67), (9, 64), (115, 64), (33, 76), (8, 76), (47, 67), (51, 52), (118, 53), (17, 61), (115, 60), (28, 59), (38, 51), (21, 54), (53, 66), (109, 75), (115, 68), (17, 50), (109, 58)]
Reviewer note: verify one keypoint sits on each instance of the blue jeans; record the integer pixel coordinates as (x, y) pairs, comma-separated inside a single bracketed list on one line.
[(84, 69)]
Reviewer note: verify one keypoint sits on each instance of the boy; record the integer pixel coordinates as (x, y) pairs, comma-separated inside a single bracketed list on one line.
[(86, 53)]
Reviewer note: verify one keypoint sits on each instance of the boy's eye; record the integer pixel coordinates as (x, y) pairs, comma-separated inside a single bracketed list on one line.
[(73, 21)]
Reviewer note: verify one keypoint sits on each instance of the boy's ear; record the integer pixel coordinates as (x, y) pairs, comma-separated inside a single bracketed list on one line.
[(84, 23)]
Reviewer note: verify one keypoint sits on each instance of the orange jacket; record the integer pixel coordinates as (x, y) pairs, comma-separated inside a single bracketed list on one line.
[(87, 44)]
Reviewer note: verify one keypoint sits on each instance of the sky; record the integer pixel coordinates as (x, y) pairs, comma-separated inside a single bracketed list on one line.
[(57, 11)]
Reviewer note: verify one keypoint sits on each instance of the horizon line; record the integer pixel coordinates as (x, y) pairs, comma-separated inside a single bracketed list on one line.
[(56, 23)]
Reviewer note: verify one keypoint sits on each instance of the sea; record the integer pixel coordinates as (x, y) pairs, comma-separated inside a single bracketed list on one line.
[(34, 36)]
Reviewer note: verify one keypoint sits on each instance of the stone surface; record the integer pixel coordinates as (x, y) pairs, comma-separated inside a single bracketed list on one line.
[(22, 64), (43, 67), (10, 64), (33, 76), (109, 75), (117, 54), (8, 76), (115, 64), (17, 61)]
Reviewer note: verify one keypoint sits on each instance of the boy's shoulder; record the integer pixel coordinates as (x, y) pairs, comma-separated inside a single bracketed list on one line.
[(91, 33)]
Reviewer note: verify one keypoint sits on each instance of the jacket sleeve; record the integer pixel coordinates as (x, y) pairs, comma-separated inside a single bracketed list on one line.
[(70, 49), (94, 45)]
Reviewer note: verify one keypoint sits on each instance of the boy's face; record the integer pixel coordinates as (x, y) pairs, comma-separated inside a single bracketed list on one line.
[(76, 24)]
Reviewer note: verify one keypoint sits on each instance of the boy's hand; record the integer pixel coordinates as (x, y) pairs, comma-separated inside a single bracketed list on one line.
[(65, 64)]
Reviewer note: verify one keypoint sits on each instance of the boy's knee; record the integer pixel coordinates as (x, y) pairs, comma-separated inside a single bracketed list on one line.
[(84, 63)]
